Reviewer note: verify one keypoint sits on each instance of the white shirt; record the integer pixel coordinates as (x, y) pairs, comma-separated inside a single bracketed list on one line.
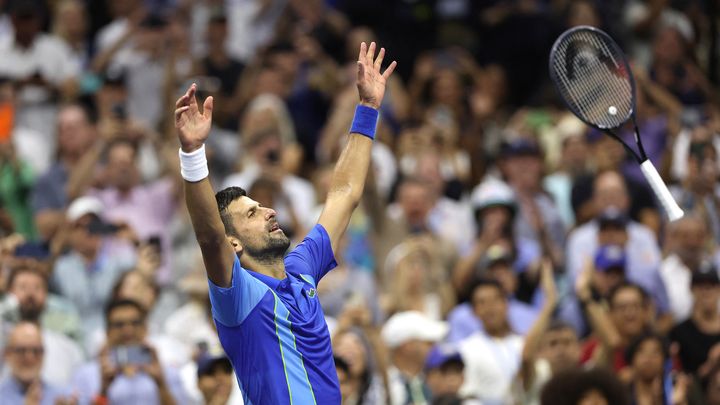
[(491, 365), (677, 277), (48, 55)]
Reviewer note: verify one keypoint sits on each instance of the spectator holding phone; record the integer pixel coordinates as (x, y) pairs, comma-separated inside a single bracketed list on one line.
[(96, 258), (128, 370)]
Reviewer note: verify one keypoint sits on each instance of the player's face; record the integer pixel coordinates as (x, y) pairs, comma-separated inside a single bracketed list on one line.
[(257, 229)]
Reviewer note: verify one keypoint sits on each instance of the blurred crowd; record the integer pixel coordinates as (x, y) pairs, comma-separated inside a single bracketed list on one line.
[(504, 253)]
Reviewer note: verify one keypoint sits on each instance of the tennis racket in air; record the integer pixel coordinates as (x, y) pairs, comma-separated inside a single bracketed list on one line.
[(594, 79)]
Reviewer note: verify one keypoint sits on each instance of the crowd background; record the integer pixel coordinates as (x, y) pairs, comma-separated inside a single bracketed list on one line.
[(503, 252)]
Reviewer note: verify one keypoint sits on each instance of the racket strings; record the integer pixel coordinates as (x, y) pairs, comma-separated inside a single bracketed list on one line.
[(593, 79)]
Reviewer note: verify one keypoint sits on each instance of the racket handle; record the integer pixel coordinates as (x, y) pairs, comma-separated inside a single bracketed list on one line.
[(673, 211)]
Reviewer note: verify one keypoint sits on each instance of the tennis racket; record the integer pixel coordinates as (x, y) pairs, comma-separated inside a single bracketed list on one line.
[(594, 79)]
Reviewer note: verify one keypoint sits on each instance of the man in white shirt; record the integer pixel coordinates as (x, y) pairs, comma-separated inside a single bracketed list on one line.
[(409, 337), (492, 358), (687, 246)]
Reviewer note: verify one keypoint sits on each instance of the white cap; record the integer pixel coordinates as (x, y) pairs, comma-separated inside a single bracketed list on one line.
[(83, 206), (492, 192), (412, 325)]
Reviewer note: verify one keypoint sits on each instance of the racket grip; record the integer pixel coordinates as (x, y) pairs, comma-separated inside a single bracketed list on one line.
[(673, 211)]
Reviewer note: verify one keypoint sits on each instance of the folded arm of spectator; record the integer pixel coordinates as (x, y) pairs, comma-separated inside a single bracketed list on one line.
[(596, 312)]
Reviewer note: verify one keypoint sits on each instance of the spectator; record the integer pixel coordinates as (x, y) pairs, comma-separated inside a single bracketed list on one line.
[(699, 335), (444, 370), (538, 218), (409, 336), (365, 379), (688, 248), (24, 354), (646, 357), (127, 378), (496, 265), (550, 347), (491, 357), (28, 287), (87, 273), (216, 381), (125, 200), (70, 23), (583, 387), (16, 181), (612, 226), (56, 187)]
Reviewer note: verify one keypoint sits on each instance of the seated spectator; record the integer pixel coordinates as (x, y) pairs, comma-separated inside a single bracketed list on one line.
[(24, 355), (491, 357), (687, 249), (128, 379), (357, 347), (216, 381), (59, 185), (584, 387), (550, 347), (29, 288), (646, 357), (444, 373), (125, 199), (612, 226), (87, 273), (698, 337), (16, 181), (419, 282), (497, 264), (409, 336)]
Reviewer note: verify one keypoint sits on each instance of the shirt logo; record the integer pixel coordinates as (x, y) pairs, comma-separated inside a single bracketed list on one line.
[(311, 293)]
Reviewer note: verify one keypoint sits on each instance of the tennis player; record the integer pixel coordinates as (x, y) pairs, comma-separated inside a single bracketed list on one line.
[(265, 305)]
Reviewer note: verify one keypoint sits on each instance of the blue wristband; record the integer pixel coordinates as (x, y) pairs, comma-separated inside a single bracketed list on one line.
[(365, 121)]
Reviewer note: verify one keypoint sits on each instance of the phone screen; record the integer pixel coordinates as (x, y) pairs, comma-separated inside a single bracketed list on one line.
[(134, 354)]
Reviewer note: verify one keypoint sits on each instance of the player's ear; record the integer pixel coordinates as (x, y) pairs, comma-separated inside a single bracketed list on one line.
[(235, 243)]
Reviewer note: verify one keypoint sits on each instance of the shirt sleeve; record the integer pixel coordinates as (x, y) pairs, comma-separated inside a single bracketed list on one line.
[(314, 255), (230, 306)]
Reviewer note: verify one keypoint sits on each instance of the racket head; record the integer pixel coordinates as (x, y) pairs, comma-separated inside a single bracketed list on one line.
[(593, 77)]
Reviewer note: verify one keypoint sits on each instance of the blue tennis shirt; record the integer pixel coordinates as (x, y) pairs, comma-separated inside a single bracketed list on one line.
[(274, 331)]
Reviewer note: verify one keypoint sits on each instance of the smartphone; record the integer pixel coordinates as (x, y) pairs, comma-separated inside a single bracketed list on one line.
[(98, 227), (130, 355)]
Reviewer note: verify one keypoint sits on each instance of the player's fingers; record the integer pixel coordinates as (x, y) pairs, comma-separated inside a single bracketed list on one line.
[(191, 95), (389, 70), (363, 52), (370, 53), (379, 59), (179, 111), (208, 107)]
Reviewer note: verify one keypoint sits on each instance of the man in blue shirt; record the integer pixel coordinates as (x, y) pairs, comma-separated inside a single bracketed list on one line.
[(265, 305)]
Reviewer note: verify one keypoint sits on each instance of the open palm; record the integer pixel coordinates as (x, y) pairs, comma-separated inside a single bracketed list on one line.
[(370, 82), (192, 125)]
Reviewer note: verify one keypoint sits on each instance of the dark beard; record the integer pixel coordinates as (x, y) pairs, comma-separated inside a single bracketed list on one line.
[(30, 311), (273, 251)]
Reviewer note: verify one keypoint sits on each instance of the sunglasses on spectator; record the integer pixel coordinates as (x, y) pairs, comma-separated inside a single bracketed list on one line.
[(20, 350), (136, 323)]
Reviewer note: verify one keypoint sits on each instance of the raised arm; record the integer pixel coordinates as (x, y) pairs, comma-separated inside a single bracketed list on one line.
[(351, 169), (193, 127)]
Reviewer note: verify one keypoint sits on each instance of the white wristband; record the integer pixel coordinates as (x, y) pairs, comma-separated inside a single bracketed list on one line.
[(193, 165)]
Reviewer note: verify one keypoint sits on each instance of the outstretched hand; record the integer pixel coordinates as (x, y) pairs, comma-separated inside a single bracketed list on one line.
[(370, 82), (193, 126)]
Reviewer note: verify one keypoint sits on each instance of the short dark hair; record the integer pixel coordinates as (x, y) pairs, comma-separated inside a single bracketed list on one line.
[(17, 271), (121, 280), (486, 282), (569, 387), (120, 142), (634, 346), (123, 303), (557, 325), (341, 364), (616, 290), (223, 198)]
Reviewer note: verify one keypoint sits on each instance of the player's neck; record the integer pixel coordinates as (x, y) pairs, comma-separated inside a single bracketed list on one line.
[(274, 268)]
